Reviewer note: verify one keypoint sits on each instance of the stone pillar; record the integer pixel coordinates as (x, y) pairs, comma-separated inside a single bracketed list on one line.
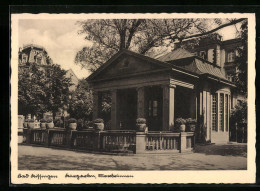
[(114, 110), (140, 103), (140, 142), (183, 143), (204, 106), (168, 107)]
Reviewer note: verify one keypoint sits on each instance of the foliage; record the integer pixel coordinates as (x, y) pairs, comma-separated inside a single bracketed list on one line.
[(239, 114), (241, 60), (108, 36), (141, 121), (191, 121), (90, 124), (58, 123), (72, 120), (99, 120), (81, 102), (41, 90), (180, 121), (80, 124)]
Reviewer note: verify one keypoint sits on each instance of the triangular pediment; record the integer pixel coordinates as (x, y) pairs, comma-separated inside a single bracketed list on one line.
[(126, 63)]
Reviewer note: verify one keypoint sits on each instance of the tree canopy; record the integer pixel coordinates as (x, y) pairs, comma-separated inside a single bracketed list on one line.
[(41, 90), (241, 61), (81, 102), (107, 36)]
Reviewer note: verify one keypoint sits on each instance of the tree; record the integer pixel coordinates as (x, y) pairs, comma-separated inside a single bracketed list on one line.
[(107, 36), (81, 102), (42, 89), (241, 60)]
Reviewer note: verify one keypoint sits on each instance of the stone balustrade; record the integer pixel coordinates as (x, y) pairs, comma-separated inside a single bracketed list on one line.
[(111, 141)]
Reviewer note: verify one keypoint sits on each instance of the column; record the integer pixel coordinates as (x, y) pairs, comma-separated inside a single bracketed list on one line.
[(140, 103), (208, 116), (168, 107), (114, 110)]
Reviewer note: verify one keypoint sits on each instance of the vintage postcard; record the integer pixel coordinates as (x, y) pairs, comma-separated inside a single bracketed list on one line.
[(133, 98)]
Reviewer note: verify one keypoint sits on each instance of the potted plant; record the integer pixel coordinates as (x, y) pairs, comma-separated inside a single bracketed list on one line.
[(180, 123), (43, 123), (25, 123), (141, 124), (30, 124), (80, 124), (191, 124), (49, 124), (72, 124), (99, 124)]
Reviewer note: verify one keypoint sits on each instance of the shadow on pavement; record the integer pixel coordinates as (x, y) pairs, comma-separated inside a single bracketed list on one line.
[(223, 150)]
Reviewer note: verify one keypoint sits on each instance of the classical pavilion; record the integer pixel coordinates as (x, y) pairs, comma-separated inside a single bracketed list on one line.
[(177, 84)]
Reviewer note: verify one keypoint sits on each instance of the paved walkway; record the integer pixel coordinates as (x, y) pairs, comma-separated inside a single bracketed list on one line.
[(211, 157)]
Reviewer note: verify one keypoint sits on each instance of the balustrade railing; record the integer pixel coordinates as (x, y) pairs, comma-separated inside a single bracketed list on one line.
[(118, 140), (57, 137), (38, 136), (85, 140), (111, 141), (162, 141)]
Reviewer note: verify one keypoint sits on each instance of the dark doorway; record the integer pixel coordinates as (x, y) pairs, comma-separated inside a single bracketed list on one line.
[(127, 108), (153, 97), (184, 103)]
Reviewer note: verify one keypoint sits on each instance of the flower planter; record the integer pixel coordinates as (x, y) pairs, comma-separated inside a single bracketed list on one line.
[(140, 127), (182, 128), (43, 125), (99, 126), (50, 125), (73, 126)]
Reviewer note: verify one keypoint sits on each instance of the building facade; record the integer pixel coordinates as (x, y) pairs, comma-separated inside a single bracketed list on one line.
[(178, 84), (222, 53)]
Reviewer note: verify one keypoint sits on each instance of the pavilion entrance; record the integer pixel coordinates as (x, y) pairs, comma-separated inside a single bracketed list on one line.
[(154, 98), (127, 107)]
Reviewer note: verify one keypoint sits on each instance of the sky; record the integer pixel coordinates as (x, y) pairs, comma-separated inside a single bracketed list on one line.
[(61, 40)]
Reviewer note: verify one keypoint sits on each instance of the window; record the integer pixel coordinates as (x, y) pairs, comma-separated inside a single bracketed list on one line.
[(231, 56), (226, 111), (221, 112), (214, 112), (153, 108), (203, 55), (39, 60)]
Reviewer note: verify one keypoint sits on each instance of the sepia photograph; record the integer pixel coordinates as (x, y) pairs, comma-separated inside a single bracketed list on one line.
[(107, 97)]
